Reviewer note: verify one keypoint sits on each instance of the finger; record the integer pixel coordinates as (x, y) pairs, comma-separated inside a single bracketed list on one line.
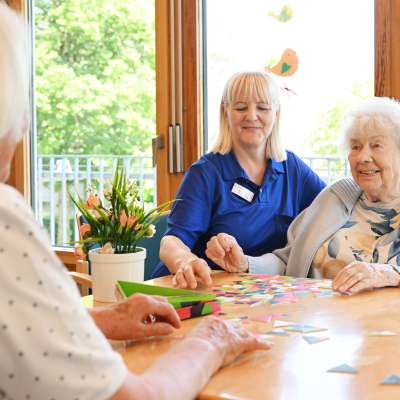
[(218, 261), (344, 275), (167, 311), (354, 279), (215, 247), (157, 329), (221, 237), (204, 272), (189, 276), (239, 257), (259, 344), (365, 283), (180, 279), (160, 298)]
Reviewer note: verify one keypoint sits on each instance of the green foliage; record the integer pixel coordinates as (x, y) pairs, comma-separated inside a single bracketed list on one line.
[(95, 76), (122, 224), (324, 139)]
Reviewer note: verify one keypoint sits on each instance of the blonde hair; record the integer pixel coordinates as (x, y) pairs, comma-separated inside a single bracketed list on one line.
[(263, 87), (375, 114), (14, 73)]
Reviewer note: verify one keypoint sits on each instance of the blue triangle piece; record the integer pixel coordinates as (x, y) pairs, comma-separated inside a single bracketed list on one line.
[(343, 368), (392, 380)]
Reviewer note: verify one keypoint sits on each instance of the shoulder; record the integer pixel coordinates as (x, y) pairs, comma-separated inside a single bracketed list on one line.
[(294, 161), (344, 191), (208, 164)]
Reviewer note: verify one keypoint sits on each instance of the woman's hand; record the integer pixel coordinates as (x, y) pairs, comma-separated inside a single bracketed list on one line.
[(225, 252), (185, 276), (359, 275), (126, 320), (229, 339)]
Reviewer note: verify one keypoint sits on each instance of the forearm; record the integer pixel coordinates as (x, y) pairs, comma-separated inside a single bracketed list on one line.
[(179, 374), (390, 274), (173, 253)]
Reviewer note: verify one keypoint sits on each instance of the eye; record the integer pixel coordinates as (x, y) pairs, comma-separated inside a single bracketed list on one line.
[(241, 109), (377, 146), (355, 147), (263, 109)]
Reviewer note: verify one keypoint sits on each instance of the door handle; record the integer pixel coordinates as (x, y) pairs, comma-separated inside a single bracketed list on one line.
[(157, 143)]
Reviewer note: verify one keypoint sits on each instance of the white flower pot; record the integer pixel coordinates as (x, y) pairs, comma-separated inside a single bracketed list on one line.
[(107, 269)]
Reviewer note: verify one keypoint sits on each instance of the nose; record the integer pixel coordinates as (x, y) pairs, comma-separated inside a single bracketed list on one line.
[(365, 155), (251, 114)]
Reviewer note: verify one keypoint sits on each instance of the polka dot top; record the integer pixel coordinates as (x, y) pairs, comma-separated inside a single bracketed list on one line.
[(50, 348)]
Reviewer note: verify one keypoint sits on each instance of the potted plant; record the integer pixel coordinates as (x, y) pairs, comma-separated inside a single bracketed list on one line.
[(117, 228)]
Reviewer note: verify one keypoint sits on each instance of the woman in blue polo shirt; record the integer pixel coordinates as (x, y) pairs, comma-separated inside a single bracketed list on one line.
[(248, 186)]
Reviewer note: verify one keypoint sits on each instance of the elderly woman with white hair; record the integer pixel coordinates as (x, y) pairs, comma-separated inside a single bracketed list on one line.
[(351, 232), (248, 186), (50, 346)]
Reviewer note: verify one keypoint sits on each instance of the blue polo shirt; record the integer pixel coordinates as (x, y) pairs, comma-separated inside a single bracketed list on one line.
[(209, 207)]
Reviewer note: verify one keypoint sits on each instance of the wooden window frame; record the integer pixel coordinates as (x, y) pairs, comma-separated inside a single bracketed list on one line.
[(387, 83)]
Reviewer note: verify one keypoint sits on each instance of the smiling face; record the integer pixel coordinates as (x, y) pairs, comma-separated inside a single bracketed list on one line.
[(375, 165), (251, 122)]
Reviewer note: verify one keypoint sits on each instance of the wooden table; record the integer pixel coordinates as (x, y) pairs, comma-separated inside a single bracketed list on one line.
[(294, 369)]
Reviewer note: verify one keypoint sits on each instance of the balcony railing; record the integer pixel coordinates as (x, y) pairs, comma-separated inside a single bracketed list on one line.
[(57, 172)]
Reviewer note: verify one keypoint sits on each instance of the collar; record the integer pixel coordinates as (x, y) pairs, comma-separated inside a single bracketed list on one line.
[(231, 169)]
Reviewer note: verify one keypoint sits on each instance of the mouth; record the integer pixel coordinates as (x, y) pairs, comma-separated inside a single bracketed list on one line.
[(252, 128), (369, 173)]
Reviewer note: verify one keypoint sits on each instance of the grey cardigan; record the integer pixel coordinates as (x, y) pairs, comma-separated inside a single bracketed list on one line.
[(327, 214)]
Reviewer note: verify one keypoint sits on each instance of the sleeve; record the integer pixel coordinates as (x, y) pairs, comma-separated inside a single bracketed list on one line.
[(190, 216), (310, 184), (276, 262), (49, 345)]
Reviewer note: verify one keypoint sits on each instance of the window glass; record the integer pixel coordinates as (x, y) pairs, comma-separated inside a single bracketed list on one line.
[(334, 44), (95, 99)]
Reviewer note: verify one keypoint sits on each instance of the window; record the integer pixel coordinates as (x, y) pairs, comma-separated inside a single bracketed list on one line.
[(334, 43), (95, 99)]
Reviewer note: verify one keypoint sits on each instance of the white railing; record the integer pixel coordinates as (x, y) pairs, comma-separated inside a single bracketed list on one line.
[(327, 167), (57, 172)]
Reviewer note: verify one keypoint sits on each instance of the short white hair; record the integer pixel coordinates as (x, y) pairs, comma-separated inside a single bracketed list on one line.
[(14, 73), (261, 85), (375, 114)]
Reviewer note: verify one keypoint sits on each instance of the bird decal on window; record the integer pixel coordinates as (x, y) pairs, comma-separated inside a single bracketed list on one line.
[(284, 16), (287, 66)]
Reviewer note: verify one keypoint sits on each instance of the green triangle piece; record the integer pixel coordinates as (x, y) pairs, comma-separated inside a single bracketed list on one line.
[(392, 380), (226, 315), (344, 368), (314, 339)]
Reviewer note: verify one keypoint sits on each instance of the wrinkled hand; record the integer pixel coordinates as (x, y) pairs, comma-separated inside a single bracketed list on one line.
[(359, 275), (185, 276), (230, 339), (225, 252), (126, 320)]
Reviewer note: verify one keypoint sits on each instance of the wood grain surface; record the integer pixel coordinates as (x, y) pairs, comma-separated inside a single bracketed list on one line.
[(294, 369)]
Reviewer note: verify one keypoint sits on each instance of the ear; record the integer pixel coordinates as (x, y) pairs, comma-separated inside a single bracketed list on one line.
[(277, 113), (225, 112)]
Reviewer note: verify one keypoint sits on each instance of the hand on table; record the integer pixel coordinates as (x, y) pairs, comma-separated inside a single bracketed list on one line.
[(225, 252), (359, 275), (185, 276), (126, 320), (230, 339)]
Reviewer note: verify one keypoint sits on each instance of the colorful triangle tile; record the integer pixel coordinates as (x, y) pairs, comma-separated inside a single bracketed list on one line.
[(392, 380), (265, 318), (281, 316), (381, 332), (344, 368), (314, 339), (295, 328), (226, 315), (279, 324), (309, 329), (278, 332)]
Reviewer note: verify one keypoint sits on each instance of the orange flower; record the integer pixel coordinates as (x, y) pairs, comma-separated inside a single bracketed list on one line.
[(80, 251)]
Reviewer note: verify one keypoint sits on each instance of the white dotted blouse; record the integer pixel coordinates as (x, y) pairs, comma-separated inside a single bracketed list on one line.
[(50, 348)]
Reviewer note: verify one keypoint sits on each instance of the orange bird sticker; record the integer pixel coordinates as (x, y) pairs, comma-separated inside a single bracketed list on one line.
[(287, 66)]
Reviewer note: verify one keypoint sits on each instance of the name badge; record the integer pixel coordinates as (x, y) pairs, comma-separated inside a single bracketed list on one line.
[(242, 192)]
